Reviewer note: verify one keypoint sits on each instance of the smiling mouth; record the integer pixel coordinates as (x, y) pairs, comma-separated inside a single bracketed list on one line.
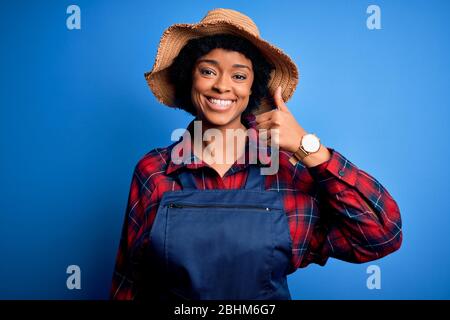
[(219, 104)]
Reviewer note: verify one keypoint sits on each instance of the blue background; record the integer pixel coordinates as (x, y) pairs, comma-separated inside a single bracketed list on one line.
[(76, 116)]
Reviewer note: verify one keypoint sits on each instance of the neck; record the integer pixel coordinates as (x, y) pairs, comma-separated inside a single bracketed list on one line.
[(229, 143)]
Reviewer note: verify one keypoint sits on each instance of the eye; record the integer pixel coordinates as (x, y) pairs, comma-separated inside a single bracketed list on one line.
[(240, 77), (207, 72)]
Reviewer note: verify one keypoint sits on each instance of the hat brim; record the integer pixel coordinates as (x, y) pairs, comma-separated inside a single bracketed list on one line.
[(175, 38)]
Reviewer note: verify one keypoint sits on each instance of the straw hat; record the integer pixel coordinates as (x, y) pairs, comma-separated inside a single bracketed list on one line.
[(219, 21)]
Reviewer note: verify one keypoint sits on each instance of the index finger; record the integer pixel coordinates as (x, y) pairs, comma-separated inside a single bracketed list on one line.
[(264, 116)]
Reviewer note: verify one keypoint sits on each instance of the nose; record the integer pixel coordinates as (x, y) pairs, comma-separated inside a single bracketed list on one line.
[(221, 85)]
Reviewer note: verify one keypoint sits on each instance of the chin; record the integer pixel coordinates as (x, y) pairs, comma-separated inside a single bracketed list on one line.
[(217, 119)]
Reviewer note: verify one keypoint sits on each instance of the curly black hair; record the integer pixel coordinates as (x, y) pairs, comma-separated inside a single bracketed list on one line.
[(180, 71)]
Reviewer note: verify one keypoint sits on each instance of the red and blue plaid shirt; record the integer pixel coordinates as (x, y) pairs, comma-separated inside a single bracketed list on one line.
[(334, 209)]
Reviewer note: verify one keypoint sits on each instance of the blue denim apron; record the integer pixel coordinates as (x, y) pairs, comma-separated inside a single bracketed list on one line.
[(221, 244)]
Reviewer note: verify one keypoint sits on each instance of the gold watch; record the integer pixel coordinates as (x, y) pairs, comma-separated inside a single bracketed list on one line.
[(309, 143)]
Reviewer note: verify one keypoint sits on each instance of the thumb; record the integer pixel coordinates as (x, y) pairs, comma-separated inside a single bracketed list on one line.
[(279, 102)]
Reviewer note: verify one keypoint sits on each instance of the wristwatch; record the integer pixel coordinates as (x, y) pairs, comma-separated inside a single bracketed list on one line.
[(309, 143)]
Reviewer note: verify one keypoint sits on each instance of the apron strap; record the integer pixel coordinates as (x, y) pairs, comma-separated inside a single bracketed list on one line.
[(255, 181), (187, 180)]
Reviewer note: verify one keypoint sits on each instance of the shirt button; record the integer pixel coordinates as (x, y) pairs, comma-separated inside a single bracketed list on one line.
[(341, 173)]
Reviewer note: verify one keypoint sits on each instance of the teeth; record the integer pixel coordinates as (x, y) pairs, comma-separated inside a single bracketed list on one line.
[(221, 102)]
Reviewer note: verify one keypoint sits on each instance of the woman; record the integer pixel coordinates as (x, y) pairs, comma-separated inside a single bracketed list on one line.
[(198, 228)]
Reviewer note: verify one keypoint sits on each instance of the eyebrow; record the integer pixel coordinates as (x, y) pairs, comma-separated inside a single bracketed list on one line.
[(237, 65)]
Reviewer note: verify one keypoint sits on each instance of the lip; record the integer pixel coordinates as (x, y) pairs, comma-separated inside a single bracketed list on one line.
[(217, 107)]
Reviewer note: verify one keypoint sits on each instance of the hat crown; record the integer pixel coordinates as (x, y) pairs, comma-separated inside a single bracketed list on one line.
[(233, 16)]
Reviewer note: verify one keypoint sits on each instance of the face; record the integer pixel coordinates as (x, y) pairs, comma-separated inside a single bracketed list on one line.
[(221, 87)]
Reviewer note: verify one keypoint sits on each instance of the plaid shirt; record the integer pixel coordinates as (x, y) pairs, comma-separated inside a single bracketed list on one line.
[(334, 209)]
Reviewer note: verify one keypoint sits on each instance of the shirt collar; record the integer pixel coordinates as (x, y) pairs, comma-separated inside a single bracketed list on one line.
[(252, 153)]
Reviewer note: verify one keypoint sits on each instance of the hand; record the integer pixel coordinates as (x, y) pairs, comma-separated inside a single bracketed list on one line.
[(290, 132)]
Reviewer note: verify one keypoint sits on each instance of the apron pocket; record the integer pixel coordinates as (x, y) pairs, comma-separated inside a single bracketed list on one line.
[(220, 252)]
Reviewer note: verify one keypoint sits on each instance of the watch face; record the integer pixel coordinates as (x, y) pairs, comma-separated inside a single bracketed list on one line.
[(310, 143)]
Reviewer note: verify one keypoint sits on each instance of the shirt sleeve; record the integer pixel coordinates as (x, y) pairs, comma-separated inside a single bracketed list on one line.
[(359, 219), (123, 283)]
